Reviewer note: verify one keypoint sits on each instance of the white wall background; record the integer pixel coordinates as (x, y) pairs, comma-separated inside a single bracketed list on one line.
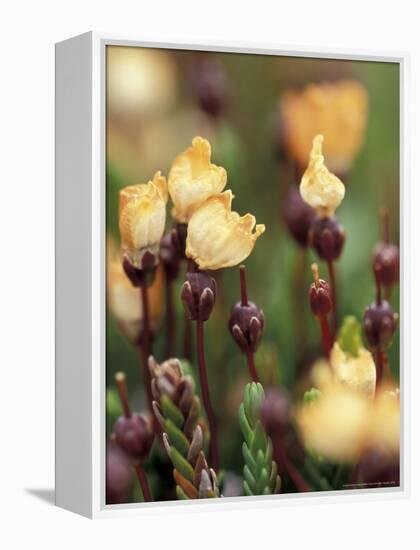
[(28, 32)]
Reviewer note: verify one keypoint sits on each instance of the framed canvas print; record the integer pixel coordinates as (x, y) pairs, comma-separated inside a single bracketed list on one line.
[(230, 303)]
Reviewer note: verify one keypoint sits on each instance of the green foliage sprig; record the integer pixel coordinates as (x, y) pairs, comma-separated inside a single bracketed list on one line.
[(177, 409), (260, 470)]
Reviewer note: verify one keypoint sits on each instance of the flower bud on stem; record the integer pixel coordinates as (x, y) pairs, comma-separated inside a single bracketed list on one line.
[(321, 304), (133, 435)]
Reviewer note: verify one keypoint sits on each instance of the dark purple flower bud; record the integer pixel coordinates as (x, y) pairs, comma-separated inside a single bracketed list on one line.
[(327, 237), (169, 254), (246, 324), (144, 275), (320, 298), (118, 475), (199, 295), (276, 411), (379, 325), (298, 215), (134, 435), (378, 467), (386, 261), (211, 86)]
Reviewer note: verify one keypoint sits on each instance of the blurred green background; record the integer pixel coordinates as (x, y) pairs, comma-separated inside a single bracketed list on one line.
[(153, 114)]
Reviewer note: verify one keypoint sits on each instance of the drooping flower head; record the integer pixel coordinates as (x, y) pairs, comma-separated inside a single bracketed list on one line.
[(193, 179), (336, 110), (319, 187), (142, 216), (218, 237)]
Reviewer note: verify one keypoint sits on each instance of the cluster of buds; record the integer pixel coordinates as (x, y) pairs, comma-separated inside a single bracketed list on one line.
[(246, 321), (177, 408)]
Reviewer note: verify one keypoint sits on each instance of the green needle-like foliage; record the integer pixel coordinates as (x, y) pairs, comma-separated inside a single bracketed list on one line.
[(260, 470), (177, 408)]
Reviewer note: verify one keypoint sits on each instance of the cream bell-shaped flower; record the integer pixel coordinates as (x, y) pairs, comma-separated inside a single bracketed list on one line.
[(336, 425), (384, 424), (142, 217), (358, 373), (218, 237), (319, 187), (193, 179)]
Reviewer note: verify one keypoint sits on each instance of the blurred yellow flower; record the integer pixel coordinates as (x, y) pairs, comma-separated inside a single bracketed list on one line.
[(140, 81), (385, 422), (142, 216), (335, 426), (337, 110), (218, 237), (319, 187), (193, 179), (125, 302), (358, 373)]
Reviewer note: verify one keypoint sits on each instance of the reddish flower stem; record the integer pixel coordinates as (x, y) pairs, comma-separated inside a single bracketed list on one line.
[(145, 345), (379, 361), (251, 366), (144, 484), (333, 285), (170, 320), (326, 336), (214, 452), (122, 390), (282, 459)]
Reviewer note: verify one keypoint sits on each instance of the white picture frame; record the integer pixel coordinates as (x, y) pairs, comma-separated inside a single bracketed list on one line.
[(80, 277)]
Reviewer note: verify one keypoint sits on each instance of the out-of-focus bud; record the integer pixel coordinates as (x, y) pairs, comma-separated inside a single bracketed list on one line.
[(193, 179), (320, 298), (338, 110), (169, 255), (218, 237), (198, 295), (335, 425), (379, 325), (386, 260), (118, 475), (246, 324), (327, 237), (276, 411), (134, 434), (211, 86), (320, 188), (142, 216), (298, 215)]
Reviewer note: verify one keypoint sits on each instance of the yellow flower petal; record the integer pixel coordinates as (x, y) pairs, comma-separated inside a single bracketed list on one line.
[(337, 110), (319, 187), (193, 179), (358, 373), (336, 425), (142, 216), (218, 237)]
